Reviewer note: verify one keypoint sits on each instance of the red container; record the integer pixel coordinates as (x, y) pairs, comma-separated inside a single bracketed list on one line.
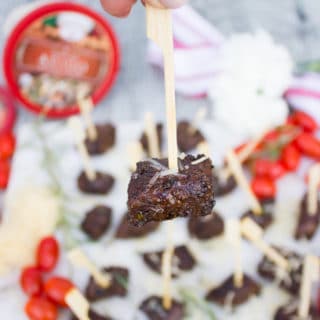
[(7, 111), (46, 70)]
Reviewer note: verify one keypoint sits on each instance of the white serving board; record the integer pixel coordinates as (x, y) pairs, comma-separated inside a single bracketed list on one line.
[(214, 257)]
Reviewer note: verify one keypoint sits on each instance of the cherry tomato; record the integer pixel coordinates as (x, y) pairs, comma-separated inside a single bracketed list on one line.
[(304, 121), (268, 168), (290, 157), (41, 309), (31, 281), (263, 188), (308, 145), (48, 254), (4, 174), (7, 145), (271, 136), (57, 288)]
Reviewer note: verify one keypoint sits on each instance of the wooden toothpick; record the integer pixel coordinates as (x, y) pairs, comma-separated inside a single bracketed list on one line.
[(309, 276), (159, 30), (233, 232), (78, 304), (237, 171), (75, 125), (135, 153), (254, 233), (313, 185), (78, 258), (204, 148), (86, 107), (200, 115), (152, 136)]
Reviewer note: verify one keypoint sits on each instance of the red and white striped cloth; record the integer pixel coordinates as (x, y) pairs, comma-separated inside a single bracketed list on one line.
[(304, 94), (197, 55)]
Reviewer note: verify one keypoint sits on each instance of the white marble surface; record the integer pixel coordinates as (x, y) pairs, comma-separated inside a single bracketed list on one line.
[(139, 87)]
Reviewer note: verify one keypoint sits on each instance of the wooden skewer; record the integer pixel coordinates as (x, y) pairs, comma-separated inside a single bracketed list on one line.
[(313, 185), (79, 135), (254, 233), (245, 153), (234, 237), (78, 304), (86, 107), (159, 30), (78, 258), (135, 152), (204, 148), (152, 136), (310, 275), (237, 171), (200, 115)]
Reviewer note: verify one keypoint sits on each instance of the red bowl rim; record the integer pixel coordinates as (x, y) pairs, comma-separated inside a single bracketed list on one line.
[(11, 45), (10, 110)]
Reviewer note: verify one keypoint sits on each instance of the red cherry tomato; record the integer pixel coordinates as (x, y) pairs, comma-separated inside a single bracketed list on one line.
[(48, 254), (7, 145), (304, 121), (268, 168), (31, 281), (4, 174), (41, 309), (57, 288), (308, 145), (290, 157), (263, 188), (271, 136)]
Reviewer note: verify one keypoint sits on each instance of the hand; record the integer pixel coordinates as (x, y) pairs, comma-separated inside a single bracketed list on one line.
[(121, 8)]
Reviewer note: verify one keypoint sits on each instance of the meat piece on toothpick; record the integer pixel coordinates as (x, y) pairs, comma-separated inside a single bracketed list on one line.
[(290, 312), (307, 223), (223, 185), (228, 294), (93, 316), (119, 278), (153, 309), (156, 193), (101, 184), (188, 136), (127, 231), (205, 228), (182, 260), (97, 222), (105, 140), (145, 141), (289, 281)]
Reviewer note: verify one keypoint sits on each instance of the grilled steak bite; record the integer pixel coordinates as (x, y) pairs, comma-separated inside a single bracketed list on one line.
[(290, 312), (223, 186), (144, 139), (97, 222), (182, 260), (127, 231), (228, 294), (205, 228), (188, 137), (156, 193), (153, 309), (106, 136), (101, 185), (307, 223), (118, 287), (264, 220), (289, 281), (93, 316)]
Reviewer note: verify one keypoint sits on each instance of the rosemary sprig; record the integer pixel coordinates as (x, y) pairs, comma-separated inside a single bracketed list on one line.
[(193, 301)]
